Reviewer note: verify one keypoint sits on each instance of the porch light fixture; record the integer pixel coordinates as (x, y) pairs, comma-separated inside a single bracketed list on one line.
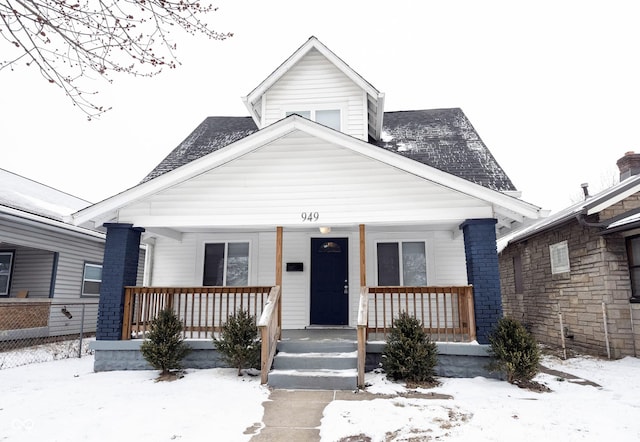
[(325, 230)]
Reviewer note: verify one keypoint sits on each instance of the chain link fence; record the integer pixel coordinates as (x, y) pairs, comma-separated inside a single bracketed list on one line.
[(36, 330)]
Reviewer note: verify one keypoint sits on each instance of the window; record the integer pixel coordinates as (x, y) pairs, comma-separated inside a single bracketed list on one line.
[(633, 257), (517, 274), (326, 117), (6, 267), (226, 264), (402, 263), (559, 253), (91, 279)]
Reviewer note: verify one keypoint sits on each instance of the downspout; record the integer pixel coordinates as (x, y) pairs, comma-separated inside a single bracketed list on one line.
[(580, 218)]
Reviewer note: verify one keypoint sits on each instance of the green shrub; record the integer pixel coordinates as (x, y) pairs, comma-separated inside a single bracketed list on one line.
[(515, 351), (239, 343), (164, 347), (409, 353)]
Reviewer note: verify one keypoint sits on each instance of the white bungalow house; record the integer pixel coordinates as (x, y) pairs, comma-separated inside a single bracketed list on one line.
[(319, 210)]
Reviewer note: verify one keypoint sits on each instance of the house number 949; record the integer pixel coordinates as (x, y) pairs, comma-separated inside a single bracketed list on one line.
[(309, 216)]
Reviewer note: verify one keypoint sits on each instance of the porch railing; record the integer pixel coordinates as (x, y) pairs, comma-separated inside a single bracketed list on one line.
[(446, 313), (203, 310), (270, 332)]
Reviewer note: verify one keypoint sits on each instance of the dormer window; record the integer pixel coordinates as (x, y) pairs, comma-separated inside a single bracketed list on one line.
[(326, 117)]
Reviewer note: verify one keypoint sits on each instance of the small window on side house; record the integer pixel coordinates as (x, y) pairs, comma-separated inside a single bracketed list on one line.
[(517, 274), (91, 279), (226, 264), (633, 257), (6, 268), (559, 254)]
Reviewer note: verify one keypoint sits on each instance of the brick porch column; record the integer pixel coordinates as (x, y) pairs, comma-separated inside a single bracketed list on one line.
[(483, 273), (119, 269)]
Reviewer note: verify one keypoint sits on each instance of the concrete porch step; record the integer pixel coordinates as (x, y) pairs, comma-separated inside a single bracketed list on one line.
[(322, 379), (310, 361)]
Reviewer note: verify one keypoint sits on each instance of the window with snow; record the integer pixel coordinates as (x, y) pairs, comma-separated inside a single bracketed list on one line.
[(559, 253), (226, 264), (402, 263)]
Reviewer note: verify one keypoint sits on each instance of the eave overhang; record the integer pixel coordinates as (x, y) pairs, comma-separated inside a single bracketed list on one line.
[(510, 212)]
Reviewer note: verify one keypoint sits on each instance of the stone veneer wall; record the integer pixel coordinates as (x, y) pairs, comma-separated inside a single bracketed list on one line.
[(598, 273)]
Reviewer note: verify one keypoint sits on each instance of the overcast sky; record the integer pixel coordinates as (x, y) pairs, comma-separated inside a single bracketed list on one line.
[(552, 87)]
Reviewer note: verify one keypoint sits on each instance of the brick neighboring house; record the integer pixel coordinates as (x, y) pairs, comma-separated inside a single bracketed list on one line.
[(574, 277)]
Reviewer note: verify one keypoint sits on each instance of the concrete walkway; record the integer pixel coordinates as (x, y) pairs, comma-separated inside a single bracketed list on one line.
[(295, 415)]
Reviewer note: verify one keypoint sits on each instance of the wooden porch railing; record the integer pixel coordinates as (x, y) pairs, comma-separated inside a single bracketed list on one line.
[(203, 310), (270, 333), (446, 313)]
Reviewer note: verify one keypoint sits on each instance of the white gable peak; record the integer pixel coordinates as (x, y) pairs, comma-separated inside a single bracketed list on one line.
[(316, 84)]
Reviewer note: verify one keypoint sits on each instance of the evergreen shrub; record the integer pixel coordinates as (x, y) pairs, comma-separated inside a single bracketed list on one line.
[(239, 344), (164, 347), (515, 351), (409, 353)]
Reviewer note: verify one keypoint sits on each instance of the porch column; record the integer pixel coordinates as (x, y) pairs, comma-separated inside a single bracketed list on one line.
[(119, 269), (483, 273), (363, 258)]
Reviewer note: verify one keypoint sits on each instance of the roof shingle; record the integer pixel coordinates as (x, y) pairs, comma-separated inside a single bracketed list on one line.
[(441, 138)]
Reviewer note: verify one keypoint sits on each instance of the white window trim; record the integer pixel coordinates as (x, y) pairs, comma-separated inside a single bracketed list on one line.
[(84, 279), (559, 257), (312, 108), (401, 263), (226, 256)]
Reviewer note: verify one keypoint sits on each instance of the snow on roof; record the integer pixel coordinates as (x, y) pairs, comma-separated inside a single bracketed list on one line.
[(18, 192), (440, 138)]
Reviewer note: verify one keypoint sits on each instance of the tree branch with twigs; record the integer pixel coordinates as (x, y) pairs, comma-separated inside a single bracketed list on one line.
[(70, 41)]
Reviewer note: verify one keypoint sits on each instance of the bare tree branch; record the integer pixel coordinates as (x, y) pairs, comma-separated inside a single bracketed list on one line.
[(69, 40)]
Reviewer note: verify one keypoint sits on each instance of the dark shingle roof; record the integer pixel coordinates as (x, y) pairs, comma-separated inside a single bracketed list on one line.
[(446, 140), (441, 138), (212, 134)]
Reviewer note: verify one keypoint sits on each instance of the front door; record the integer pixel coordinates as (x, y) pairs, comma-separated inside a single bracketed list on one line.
[(329, 281)]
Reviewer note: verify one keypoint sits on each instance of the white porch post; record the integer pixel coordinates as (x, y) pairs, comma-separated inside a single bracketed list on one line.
[(279, 274)]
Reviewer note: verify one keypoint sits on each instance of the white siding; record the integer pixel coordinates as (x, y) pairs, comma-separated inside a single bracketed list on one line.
[(298, 173), (179, 263), (446, 262), (314, 83), (174, 262)]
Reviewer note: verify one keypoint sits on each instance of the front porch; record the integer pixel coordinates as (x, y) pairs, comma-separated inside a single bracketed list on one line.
[(447, 314)]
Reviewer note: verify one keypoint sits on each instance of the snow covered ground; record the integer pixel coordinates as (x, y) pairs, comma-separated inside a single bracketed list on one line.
[(65, 400)]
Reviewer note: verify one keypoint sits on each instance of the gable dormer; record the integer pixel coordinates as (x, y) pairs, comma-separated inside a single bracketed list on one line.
[(317, 84)]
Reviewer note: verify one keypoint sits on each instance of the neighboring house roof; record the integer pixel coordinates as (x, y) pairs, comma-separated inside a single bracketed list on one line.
[(375, 99), (29, 200), (582, 209), (508, 209), (440, 138), (30, 196)]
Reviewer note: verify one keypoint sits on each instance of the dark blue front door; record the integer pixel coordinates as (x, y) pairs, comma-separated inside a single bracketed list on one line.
[(329, 281)]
